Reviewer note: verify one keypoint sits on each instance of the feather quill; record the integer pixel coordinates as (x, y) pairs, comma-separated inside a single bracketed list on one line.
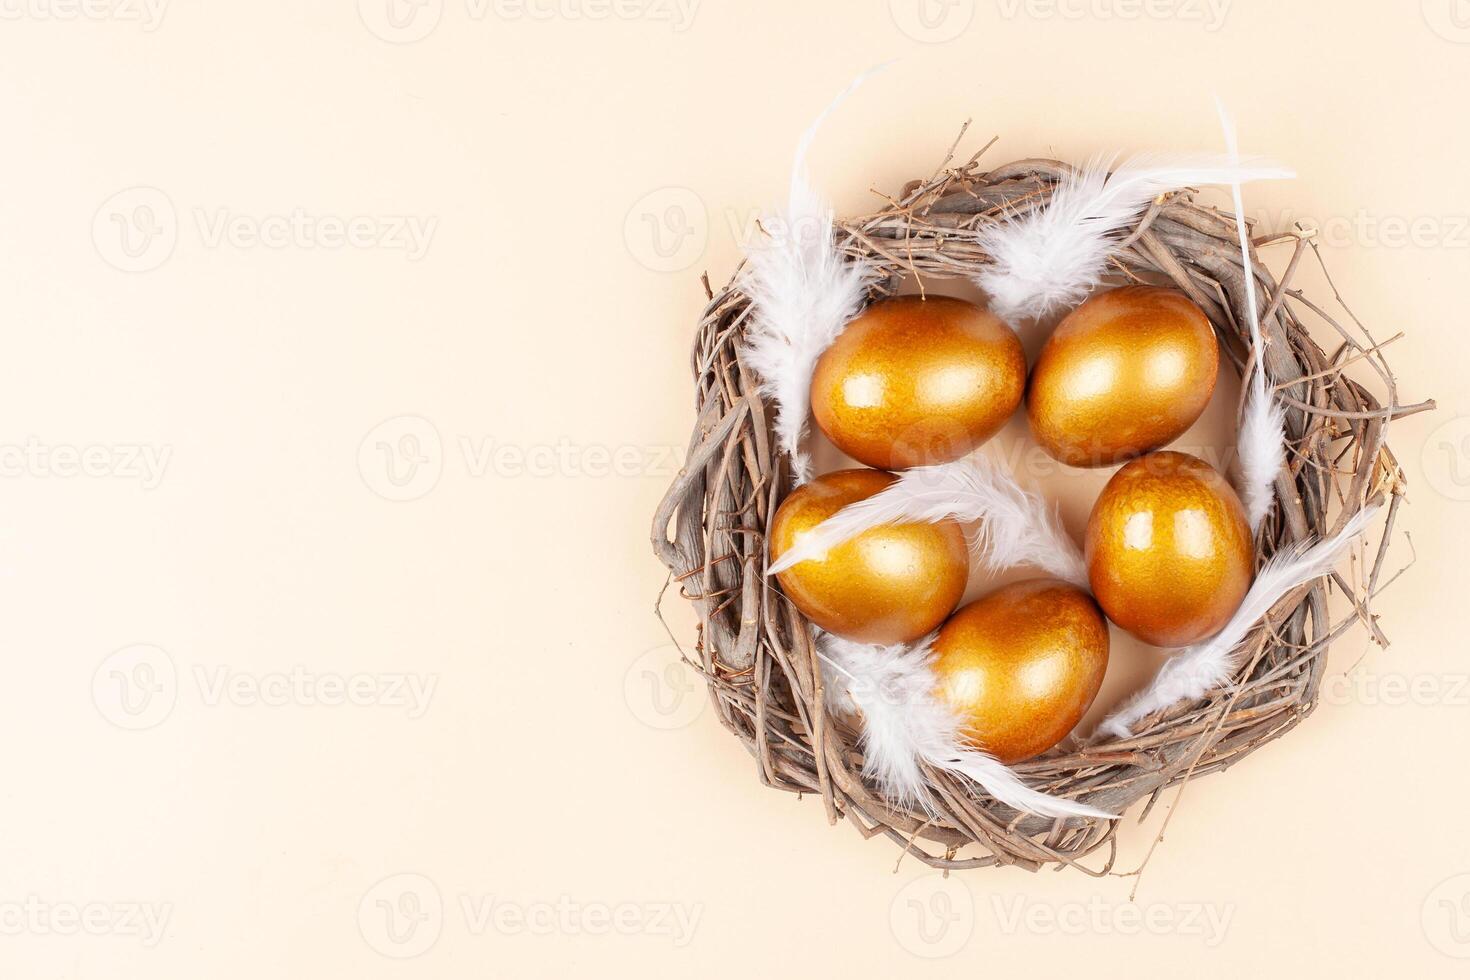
[(906, 728), (1015, 526), (1194, 671), (802, 293), (1050, 258), (1262, 440)]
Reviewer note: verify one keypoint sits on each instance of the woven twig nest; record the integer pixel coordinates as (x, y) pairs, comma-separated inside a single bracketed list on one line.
[(756, 650)]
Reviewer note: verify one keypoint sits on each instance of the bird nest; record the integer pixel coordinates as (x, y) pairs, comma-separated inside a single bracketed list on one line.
[(756, 651)]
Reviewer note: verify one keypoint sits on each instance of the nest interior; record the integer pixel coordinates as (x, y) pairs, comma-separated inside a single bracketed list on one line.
[(755, 650)]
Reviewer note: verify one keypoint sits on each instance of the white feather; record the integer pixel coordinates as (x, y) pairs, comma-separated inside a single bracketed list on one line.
[(802, 293), (1262, 440), (1015, 527), (1262, 450), (906, 728), (1050, 258), (1194, 671)]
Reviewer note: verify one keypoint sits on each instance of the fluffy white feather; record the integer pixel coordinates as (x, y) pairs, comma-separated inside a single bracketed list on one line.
[(1262, 451), (802, 293), (1262, 440), (1050, 258), (1015, 527), (905, 728), (1196, 670)]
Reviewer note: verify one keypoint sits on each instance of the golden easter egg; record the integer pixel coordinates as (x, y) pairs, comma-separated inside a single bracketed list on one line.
[(890, 584), (1169, 551), (915, 381), (1021, 666), (1125, 373)]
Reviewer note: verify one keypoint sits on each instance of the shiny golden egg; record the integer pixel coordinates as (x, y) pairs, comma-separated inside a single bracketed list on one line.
[(916, 381), (890, 584), (1169, 552), (1126, 372), (1022, 666)]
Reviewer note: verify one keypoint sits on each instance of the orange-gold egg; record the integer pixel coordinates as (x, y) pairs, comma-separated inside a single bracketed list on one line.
[(916, 381), (890, 584), (1022, 666), (1169, 552), (1126, 372)]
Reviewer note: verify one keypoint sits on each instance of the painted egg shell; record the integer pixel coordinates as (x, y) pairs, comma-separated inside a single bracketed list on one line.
[(1022, 666), (1169, 551), (914, 381), (1126, 372), (890, 584)]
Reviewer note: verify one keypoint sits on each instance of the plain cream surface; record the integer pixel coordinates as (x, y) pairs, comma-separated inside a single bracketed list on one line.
[(262, 718)]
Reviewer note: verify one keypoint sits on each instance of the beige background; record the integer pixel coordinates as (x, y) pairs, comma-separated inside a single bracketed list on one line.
[(326, 586)]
